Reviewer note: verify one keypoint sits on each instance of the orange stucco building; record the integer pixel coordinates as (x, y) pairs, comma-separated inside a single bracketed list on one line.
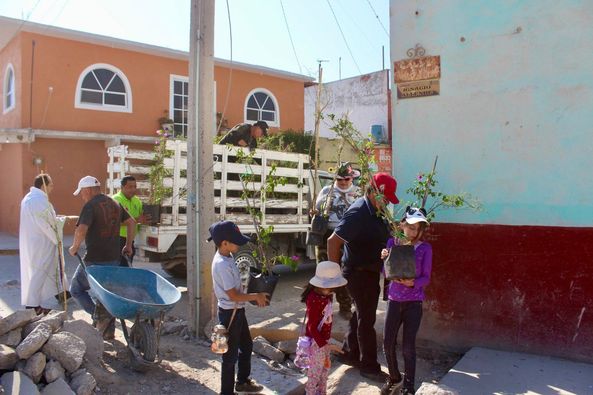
[(67, 95)]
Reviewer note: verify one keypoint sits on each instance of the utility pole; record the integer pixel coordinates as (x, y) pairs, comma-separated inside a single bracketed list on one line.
[(200, 181), (317, 120)]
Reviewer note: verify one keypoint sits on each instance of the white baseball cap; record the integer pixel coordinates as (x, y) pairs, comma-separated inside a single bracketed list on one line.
[(328, 275), (86, 182), (415, 215)]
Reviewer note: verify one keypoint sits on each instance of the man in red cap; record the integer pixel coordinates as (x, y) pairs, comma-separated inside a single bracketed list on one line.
[(363, 233)]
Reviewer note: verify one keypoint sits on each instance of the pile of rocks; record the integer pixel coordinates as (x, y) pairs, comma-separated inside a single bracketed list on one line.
[(45, 354)]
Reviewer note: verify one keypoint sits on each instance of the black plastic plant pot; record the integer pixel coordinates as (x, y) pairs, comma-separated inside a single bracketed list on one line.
[(319, 224), (314, 239), (319, 228), (262, 282), (401, 263), (154, 210)]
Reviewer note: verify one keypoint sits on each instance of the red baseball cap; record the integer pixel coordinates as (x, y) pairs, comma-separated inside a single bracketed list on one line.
[(387, 186)]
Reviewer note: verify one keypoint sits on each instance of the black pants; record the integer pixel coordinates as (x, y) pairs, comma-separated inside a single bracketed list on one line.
[(360, 342), (240, 348), (408, 314), (123, 261)]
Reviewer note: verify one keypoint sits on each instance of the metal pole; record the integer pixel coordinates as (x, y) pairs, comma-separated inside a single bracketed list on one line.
[(200, 201)]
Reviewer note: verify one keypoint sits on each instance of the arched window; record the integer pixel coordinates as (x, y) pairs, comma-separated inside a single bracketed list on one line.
[(261, 105), (103, 87), (9, 91)]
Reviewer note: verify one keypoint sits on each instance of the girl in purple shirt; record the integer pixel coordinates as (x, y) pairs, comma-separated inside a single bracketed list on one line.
[(404, 306)]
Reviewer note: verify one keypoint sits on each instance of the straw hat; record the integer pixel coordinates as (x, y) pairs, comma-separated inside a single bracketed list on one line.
[(328, 275)]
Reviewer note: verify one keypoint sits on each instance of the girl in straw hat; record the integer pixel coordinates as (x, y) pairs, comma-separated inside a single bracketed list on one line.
[(318, 296)]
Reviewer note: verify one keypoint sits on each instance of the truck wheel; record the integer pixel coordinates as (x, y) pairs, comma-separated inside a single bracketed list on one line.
[(245, 260), (175, 267)]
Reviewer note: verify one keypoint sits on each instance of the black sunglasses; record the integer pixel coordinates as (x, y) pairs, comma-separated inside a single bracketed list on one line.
[(345, 179)]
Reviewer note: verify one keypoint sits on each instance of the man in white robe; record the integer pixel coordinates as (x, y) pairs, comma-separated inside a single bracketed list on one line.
[(40, 238)]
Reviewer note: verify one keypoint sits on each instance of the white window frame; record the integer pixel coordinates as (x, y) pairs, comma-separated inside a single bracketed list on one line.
[(271, 95), (172, 79), (104, 107), (5, 108)]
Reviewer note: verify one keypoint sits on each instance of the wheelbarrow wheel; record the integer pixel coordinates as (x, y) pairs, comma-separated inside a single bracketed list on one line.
[(143, 338)]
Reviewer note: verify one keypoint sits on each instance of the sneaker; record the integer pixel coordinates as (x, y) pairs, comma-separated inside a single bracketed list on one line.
[(106, 327), (391, 386), (379, 376), (249, 386)]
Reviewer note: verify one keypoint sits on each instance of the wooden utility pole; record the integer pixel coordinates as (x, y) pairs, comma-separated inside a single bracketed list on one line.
[(200, 182)]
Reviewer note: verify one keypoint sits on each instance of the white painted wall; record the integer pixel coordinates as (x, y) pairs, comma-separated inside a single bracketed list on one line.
[(364, 98)]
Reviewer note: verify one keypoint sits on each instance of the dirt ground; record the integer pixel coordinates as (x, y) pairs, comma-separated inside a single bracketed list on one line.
[(189, 367)]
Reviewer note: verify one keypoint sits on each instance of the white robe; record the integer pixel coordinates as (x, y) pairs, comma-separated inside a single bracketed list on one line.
[(39, 237)]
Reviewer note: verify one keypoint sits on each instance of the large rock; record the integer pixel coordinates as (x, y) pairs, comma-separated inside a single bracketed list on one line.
[(169, 328), (83, 383), (8, 357), (435, 389), (18, 383), (12, 338), (287, 346), (34, 367), (53, 371), (54, 319), (91, 337), (34, 341), (16, 320), (263, 347), (66, 348), (58, 387)]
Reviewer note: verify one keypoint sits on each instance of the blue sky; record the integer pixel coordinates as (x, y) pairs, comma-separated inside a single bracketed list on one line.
[(259, 32)]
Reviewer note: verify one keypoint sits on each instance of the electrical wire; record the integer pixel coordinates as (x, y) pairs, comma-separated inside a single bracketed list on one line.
[(23, 21), (228, 91), (343, 36), (290, 37), (378, 19)]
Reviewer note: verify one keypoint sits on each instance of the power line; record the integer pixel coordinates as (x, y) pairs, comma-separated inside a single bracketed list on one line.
[(343, 36), (378, 19), (290, 37), (23, 21)]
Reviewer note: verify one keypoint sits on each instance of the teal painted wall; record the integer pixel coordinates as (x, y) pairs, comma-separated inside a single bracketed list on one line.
[(513, 123)]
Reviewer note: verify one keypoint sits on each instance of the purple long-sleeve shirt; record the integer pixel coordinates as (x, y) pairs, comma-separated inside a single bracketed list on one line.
[(401, 293)]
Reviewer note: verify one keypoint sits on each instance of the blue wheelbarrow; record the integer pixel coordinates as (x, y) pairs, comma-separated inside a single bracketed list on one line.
[(137, 295)]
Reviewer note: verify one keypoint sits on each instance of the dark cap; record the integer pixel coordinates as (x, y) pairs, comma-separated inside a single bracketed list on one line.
[(227, 230), (346, 170), (263, 125)]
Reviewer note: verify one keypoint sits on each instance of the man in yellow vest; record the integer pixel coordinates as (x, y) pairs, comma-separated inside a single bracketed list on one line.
[(127, 198)]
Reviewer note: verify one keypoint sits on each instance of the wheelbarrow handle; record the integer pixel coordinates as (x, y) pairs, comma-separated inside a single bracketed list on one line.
[(81, 262)]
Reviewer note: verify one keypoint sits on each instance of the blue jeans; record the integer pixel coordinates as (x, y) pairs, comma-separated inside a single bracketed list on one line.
[(79, 287), (240, 348)]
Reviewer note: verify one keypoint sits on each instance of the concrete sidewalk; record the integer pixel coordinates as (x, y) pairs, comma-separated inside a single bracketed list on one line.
[(485, 371), (9, 245)]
